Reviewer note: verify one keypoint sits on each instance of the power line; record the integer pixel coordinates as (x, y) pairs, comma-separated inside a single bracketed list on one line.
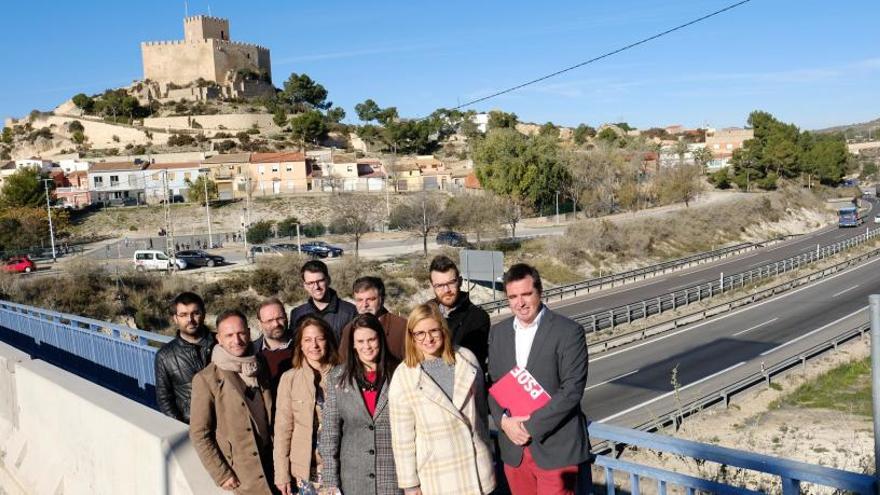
[(604, 55)]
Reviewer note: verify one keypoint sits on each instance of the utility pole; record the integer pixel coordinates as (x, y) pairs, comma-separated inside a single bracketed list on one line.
[(49, 213), (169, 227), (247, 217), (208, 210)]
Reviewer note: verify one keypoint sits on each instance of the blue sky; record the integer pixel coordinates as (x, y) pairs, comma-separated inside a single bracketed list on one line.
[(811, 62)]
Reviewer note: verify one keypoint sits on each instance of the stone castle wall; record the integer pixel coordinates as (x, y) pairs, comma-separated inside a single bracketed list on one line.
[(181, 62)]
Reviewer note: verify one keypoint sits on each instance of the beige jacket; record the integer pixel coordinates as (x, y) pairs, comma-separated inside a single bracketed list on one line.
[(441, 445), (221, 430), (294, 425)]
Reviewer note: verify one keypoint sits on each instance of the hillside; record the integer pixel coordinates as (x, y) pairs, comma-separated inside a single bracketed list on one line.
[(854, 131)]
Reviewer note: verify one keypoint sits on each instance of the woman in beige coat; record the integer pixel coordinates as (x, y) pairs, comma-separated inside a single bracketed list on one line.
[(438, 413), (299, 401)]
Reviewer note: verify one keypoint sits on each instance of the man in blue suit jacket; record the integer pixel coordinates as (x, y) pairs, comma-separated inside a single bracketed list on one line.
[(544, 452)]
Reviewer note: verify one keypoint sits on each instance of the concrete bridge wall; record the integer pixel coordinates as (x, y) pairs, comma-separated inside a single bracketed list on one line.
[(63, 435)]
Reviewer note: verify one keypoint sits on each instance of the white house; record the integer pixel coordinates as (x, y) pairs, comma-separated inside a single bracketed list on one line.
[(42, 165), (177, 175), (117, 183), (70, 165)]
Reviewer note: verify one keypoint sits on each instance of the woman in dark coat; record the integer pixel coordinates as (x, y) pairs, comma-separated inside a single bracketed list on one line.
[(355, 442)]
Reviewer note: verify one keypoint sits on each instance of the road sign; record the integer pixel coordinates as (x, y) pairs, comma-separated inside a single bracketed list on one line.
[(484, 266)]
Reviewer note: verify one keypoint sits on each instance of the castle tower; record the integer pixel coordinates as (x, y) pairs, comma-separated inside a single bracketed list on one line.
[(202, 27)]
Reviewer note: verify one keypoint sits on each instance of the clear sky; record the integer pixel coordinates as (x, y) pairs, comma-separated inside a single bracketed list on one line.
[(815, 63)]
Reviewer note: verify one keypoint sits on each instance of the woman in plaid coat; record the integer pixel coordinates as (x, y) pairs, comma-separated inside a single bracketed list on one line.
[(438, 413), (355, 442)]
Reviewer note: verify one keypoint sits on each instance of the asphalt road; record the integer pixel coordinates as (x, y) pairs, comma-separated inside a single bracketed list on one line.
[(651, 288), (634, 384)]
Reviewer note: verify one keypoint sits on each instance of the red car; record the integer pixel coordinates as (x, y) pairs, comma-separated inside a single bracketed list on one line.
[(20, 264)]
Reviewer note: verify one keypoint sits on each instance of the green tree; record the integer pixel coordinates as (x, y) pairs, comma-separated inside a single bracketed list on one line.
[(501, 120), (369, 134), (78, 137), (7, 137), (304, 93), (308, 127), (410, 136), (24, 188), (549, 130), (610, 136), (75, 126), (720, 178), (260, 232), (280, 116), (702, 156), (623, 126), (287, 227), (582, 133), (195, 192), (336, 114), (367, 111), (84, 102)]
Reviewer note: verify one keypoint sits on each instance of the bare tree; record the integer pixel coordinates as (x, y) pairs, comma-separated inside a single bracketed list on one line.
[(422, 213), (476, 213), (680, 184), (355, 215), (512, 212), (595, 176)]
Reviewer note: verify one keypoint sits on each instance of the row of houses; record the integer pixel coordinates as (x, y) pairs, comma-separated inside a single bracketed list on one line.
[(79, 183)]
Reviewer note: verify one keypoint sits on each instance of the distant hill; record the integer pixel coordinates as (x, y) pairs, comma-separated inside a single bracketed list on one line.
[(854, 130)]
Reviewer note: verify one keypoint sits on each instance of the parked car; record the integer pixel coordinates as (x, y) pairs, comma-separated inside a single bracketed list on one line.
[(287, 247), (265, 249), (197, 257), (321, 249), (149, 259), (19, 264), (451, 238)]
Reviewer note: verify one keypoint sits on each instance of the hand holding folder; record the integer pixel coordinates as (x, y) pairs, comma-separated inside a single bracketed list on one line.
[(519, 392)]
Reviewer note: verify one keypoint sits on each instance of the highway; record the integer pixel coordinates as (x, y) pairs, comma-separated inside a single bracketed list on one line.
[(633, 385), (651, 288)]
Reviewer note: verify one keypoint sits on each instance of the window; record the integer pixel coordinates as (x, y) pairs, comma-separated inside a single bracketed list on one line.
[(274, 168), (290, 168), (99, 182), (717, 146), (729, 146), (261, 169), (114, 180), (348, 169)]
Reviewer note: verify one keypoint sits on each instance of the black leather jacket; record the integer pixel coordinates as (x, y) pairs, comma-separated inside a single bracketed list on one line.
[(176, 364)]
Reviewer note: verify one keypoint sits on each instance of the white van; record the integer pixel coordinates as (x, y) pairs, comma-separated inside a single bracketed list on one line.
[(148, 259)]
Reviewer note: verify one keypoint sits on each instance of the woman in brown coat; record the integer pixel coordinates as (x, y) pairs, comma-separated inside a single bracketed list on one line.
[(298, 408)]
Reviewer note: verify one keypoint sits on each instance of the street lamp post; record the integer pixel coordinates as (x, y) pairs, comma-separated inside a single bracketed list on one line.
[(208, 210), (49, 213)]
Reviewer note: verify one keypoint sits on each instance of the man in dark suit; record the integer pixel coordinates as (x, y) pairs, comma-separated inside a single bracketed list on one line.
[(544, 452)]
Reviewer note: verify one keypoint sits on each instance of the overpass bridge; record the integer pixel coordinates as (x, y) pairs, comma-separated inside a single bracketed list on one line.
[(77, 416)]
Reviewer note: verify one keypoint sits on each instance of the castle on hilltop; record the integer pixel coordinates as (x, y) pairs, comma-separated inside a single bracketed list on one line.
[(207, 55)]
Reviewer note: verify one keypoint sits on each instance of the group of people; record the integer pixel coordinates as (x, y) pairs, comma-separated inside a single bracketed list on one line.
[(352, 399)]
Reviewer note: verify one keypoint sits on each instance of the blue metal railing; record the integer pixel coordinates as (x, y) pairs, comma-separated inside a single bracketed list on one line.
[(791, 474), (127, 351)]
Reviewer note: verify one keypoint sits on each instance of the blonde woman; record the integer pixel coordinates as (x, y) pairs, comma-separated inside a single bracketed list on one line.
[(299, 402), (438, 413)]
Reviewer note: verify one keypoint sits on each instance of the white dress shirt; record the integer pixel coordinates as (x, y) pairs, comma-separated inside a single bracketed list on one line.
[(525, 337)]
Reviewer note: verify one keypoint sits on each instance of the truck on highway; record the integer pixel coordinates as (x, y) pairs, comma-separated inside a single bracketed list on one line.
[(849, 216)]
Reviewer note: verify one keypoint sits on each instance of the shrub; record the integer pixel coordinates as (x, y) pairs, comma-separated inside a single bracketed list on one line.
[(287, 227), (260, 232), (314, 229)]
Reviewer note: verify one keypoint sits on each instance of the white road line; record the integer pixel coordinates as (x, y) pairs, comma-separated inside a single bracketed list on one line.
[(728, 315), (633, 372), (844, 290), (823, 327), (681, 287), (759, 325), (667, 394)]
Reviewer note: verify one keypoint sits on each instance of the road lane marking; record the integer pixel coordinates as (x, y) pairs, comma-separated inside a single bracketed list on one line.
[(864, 308), (844, 291), (728, 315), (633, 372), (759, 325), (667, 394)]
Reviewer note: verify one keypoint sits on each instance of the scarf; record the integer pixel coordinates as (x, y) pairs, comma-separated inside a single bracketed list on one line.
[(247, 367)]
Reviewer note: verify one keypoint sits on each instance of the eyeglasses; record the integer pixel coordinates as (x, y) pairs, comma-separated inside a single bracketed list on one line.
[(446, 285), (436, 333), (186, 316), (315, 283)]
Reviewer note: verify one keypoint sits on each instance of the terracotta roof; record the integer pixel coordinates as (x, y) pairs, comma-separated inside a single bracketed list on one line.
[(228, 158), (471, 182), (109, 166), (278, 157), (461, 172), (404, 167), (340, 158), (172, 166), (78, 173), (369, 161)]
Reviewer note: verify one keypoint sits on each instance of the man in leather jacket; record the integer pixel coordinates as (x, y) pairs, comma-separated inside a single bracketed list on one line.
[(468, 323), (179, 360)]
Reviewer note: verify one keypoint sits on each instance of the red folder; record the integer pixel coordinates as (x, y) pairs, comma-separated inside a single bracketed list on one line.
[(519, 392)]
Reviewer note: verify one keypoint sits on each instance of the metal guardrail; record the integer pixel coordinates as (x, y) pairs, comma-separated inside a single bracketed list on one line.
[(127, 351), (673, 300), (612, 280), (791, 473), (632, 336)]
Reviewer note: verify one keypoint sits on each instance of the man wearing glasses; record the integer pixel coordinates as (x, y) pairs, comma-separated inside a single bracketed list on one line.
[(179, 360), (468, 324), (274, 346), (323, 300)]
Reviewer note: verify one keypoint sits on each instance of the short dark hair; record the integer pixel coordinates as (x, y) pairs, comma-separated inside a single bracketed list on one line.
[(186, 298), (442, 263), (314, 266), (367, 283), (520, 271), (272, 301), (230, 313)]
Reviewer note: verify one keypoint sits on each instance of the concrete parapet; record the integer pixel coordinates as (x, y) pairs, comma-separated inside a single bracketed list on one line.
[(75, 437)]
